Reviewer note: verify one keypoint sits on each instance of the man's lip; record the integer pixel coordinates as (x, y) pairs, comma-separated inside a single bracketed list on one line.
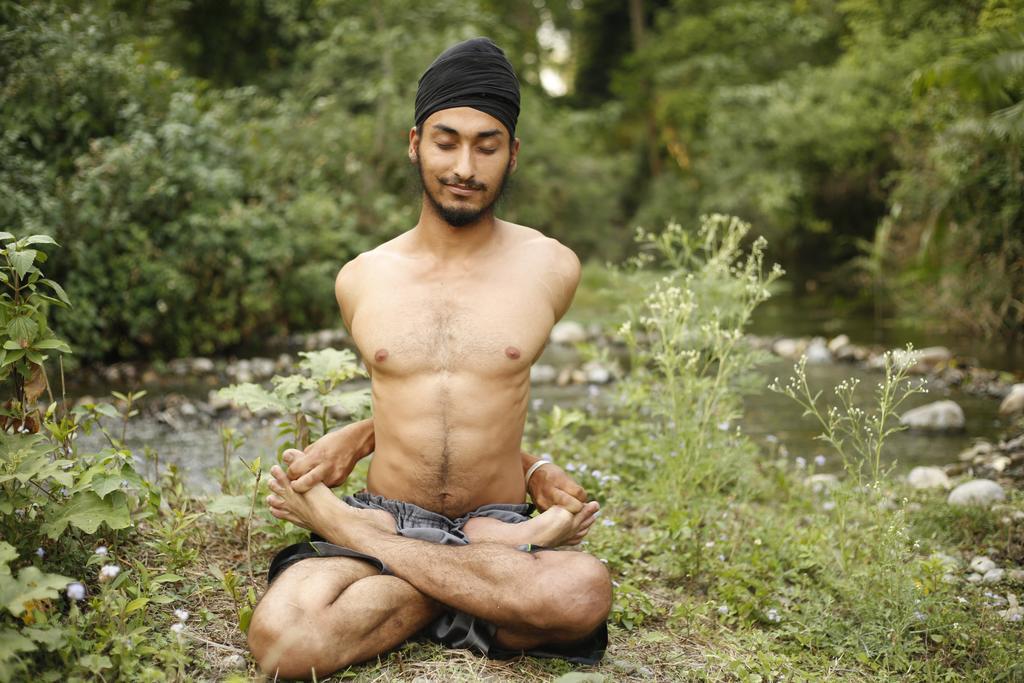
[(461, 190)]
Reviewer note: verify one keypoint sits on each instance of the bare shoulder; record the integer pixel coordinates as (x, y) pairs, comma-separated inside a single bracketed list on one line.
[(353, 276), (555, 264)]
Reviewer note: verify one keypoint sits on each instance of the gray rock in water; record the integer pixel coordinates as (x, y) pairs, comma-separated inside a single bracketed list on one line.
[(597, 373), (788, 348), (202, 366), (938, 416), (976, 492), (262, 368), (817, 352), (1014, 401), (568, 332), (838, 342), (543, 374), (928, 478)]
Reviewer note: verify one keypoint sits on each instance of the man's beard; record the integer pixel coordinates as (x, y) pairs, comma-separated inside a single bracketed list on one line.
[(459, 217)]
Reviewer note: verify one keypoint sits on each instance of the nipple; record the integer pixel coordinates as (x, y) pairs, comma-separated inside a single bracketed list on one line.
[(512, 352), (381, 355)]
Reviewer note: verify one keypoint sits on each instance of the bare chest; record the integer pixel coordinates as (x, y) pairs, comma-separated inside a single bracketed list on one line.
[(487, 328)]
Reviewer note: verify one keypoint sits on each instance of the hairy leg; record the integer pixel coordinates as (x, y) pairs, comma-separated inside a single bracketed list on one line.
[(541, 597), (553, 528), (323, 614)]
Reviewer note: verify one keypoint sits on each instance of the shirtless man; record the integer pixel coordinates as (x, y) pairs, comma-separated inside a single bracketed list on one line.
[(448, 317)]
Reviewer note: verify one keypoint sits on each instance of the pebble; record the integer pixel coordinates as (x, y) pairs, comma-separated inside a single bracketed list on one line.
[(976, 492), (1014, 401), (993, 575), (928, 478), (937, 416), (543, 374), (568, 332), (982, 564), (234, 661)]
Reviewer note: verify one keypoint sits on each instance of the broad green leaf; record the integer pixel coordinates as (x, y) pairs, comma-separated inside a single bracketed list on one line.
[(12, 642), (7, 553), (255, 398), (22, 260), (107, 410), (37, 239), (351, 401), (106, 483), (51, 343), (236, 506), (31, 584), (136, 604), (57, 289), (168, 578), (52, 637), (330, 365), (12, 356), (6, 237), (95, 663), (87, 511), (291, 385), (22, 327), (11, 345)]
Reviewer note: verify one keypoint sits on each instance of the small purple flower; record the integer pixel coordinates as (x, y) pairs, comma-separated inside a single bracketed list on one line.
[(75, 591), (801, 462), (40, 552), (607, 522), (819, 460), (723, 610)]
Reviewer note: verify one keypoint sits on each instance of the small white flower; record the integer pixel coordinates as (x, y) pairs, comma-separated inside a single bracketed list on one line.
[(75, 591), (773, 615), (709, 544), (181, 614), (178, 627), (546, 457), (40, 552), (723, 609), (801, 462), (828, 505), (819, 460), (109, 572), (919, 616), (771, 438), (102, 550), (724, 425), (597, 474), (721, 558), (607, 522), (570, 467)]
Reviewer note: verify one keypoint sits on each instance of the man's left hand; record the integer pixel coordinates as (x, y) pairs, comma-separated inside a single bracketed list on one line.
[(550, 485)]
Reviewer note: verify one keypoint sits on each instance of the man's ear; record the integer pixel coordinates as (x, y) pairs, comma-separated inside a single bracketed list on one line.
[(414, 144), (514, 156)]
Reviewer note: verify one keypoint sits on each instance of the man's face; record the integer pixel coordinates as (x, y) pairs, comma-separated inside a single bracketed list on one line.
[(464, 157)]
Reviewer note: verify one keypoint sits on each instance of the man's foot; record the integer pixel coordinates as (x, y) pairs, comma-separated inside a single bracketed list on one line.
[(319, 510), (553, 528)]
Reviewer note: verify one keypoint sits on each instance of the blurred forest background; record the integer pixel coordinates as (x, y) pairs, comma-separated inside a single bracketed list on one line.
[(208, 165)]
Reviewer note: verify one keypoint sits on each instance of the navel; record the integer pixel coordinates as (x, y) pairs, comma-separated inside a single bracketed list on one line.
[(512, 352), (381, 355)]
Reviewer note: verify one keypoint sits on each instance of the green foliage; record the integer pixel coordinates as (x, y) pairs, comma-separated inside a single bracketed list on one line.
[(322, 371)]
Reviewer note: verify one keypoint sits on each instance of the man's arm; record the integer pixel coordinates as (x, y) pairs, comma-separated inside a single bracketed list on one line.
[(550, 485), (331, 458)]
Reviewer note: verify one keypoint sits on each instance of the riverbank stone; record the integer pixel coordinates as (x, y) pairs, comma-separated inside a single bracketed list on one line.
[(976, 492), (817, 352), (982, 564), (789, 348), (1014, 401), (543, 374), (838, 343), (940, 416), (928, 478), (568, 332)]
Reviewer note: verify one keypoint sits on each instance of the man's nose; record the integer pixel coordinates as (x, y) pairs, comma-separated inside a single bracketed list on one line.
[(464, 169)]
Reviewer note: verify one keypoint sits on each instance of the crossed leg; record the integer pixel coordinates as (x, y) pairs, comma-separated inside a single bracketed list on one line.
[(323, 614), (533, 599)]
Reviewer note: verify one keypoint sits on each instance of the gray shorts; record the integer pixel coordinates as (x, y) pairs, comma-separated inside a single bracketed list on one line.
[(453, 628)]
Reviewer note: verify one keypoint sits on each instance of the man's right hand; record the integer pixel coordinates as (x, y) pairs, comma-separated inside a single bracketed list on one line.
[(329, 459)]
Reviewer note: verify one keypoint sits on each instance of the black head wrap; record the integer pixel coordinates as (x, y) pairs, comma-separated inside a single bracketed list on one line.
[(474, 73)]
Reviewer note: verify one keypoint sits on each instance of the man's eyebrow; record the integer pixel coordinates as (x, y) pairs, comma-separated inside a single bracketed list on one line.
[(494, 132)]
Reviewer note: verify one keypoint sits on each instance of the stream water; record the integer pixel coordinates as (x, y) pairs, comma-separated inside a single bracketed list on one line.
[(769, 418)]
